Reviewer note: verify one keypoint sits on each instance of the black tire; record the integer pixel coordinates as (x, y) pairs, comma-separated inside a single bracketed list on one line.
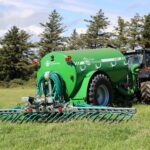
[(145, 91), (100, 91)]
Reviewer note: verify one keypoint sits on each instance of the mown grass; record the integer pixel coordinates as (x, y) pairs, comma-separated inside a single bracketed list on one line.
[(74, 135), (12, 97)]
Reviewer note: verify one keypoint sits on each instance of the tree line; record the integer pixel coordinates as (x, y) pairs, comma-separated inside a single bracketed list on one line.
[(17, 51)]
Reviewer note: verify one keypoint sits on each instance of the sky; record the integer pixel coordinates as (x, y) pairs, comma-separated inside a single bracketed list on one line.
[(28, 14)]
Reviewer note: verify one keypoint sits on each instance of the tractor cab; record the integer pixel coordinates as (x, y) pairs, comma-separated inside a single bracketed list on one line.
[(140, 57)]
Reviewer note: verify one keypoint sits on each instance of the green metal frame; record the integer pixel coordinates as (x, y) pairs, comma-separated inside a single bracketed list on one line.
[(81, 96)]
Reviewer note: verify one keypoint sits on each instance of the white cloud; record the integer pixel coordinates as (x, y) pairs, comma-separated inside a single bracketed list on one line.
[(113, 18), (76, 9), (74, 6), (19, 4), (28, 14), (23, 18), (81, 3), (34, 29), (81, 30), (72, 1), (18, 14), (2, 32)]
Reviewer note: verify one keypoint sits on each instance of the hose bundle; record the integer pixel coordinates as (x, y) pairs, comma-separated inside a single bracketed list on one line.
[(51, 84)]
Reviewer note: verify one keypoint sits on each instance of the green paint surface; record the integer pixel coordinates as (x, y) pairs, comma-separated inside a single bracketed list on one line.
[(106, 60)]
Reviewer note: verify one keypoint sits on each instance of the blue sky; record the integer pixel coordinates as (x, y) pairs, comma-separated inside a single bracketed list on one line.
[(27, 14)]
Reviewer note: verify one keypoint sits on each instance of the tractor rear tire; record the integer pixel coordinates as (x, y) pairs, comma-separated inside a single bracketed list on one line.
[(100, 91), (145, 91)]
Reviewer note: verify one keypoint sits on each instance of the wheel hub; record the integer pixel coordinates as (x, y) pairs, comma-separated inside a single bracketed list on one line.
[(102, 95)]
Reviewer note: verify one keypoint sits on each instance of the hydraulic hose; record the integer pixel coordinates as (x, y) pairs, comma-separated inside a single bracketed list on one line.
[(131, 91), (57, 86)]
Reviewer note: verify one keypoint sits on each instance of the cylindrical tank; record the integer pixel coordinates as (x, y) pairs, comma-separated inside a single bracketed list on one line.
[(73, 66)]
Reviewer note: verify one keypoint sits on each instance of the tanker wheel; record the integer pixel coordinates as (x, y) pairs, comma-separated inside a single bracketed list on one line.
[(100, 91), (145, 91)]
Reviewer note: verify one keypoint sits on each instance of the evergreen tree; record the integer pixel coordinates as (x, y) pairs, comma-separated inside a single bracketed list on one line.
[(146, 31), (96, 26), (51, 38), (82, 42), (120, 34), (135, 31), (73, 41), (15, 55)]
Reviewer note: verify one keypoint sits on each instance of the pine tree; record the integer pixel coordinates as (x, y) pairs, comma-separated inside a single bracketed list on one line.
[(120, 34), (73, 41), (135, 31), (95, 33), (82, 42), (51, 38), (146, 32), (15, 55)]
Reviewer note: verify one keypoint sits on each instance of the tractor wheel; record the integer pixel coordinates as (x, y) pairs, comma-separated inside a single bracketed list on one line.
[(145, 91), (100, 91)]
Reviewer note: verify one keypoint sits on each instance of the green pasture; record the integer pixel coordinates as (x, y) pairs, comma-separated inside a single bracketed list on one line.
[(74, 135)]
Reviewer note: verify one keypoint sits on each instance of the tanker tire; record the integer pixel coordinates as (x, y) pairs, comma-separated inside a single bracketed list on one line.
[(100, 91), (145, 91)]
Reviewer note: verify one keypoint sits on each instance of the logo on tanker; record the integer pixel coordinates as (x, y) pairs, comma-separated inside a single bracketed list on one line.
[(86, 61), (48, 63)]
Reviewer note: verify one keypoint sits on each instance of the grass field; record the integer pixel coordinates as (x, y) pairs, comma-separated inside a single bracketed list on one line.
[(74, 135)]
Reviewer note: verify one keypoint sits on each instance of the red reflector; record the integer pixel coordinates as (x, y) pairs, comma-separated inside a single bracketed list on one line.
[(68, 58), (35, 62), (59, 108), (30, 109), (147, 68)]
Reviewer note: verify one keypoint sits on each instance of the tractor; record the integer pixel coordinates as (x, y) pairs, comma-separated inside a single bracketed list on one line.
[(142, 58)]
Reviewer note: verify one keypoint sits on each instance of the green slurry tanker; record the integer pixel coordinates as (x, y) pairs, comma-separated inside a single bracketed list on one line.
[(79, 85)]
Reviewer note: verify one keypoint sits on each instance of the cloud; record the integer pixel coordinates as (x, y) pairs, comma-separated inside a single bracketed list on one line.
[(35, 32), (76, 9), (27, 14), (22, 13), (34, 29), (132, 7), (22, 18), (33, 12), (81, 4), (72, 1), (19, 4), (74, 6), (81, 30), (113, 18), (74, 22), (2, 32)]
